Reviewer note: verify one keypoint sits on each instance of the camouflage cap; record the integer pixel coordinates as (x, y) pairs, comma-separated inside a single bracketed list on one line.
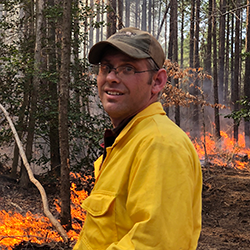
[(133, 42)]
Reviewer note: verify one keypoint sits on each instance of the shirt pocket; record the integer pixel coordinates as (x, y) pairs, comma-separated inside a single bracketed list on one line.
[(99, 226)]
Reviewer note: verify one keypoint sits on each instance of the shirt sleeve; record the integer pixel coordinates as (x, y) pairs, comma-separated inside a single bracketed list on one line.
[(164, 198)]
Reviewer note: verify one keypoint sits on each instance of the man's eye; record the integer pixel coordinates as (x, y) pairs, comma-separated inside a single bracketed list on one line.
[(105, 68), (128, 70)]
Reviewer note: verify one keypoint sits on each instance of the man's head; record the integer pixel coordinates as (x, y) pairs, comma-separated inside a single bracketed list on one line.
[(133, 42), (128, 81)]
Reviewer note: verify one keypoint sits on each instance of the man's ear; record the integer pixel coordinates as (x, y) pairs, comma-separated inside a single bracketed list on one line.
[(159, 81)]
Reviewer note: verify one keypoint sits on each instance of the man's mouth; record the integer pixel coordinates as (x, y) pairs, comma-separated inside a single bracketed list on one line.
[(113, 93)]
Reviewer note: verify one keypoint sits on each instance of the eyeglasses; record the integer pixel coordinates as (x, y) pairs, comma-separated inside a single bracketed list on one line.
[(121, 71)]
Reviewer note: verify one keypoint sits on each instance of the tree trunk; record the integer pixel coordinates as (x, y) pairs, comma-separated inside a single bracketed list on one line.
[(247, 73), (144, 15), (59, 3), (24, 180), (98, 30), (232, 59), (127, 8), (191, 65), (225, 97), (85, 50), (102, 18), (149, 15), (53, 122), (191, 41), (111, 18), (20, 128), (208, 52), (63, 115), (221, 50), (207, 84), (120, 14), (182, 33), (136, 12), (22, 124), (175, 53), (236, 68), (153, 18), (47, 212), (196, 122), (215, 75), (91, 29)]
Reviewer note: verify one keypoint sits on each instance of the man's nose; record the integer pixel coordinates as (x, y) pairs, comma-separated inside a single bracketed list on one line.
[(113, 69), (112, 75)]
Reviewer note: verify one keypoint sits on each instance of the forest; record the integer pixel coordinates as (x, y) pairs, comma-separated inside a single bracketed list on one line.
[(48, 88)]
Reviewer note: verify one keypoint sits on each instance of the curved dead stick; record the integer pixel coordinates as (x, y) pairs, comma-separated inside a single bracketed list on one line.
[(52, 219)]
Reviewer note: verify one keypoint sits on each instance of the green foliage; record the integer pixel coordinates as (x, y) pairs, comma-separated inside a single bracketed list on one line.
[(244, 55), (86, 117), (243, 113), (87, 121)]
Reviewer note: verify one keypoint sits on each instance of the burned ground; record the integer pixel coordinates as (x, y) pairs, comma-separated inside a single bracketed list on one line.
[(225, 213)]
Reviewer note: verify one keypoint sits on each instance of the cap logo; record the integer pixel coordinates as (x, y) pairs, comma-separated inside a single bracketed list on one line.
[(124, 34)]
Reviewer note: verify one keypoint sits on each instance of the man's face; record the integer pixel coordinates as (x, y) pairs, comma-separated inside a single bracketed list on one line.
[(126, 96)]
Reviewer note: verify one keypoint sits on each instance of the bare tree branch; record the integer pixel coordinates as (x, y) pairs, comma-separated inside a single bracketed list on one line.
[(47, 212)]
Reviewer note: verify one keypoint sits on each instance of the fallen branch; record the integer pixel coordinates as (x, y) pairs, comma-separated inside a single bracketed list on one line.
[(2, 237), (15, 205), (47, 212)]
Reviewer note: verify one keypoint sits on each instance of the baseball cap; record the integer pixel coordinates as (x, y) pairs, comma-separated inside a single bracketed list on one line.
[(133, 42)]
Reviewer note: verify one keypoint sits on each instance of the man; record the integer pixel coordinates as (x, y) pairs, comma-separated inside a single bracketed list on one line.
[(147, 193)]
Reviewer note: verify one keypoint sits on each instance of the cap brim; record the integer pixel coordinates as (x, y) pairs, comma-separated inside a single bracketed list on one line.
[(97, 51)]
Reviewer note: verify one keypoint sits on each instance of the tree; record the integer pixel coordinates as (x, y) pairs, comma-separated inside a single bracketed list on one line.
[(232, 52), (63, 115), (34, 96), (196, 66), (144, 15), (182, 33), (127, 11), (208, 52), (226, 92), (193, 90), (191, 39), (149, 15), (235, 90), (136, 12), (34, 180), (222, 50), (111, 18), (173, 45), (247, 73), (91, 30), (53, 97), (120, 14), (215, 75)]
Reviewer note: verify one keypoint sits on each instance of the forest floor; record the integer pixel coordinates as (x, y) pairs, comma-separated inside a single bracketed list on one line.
[(225, 213), (226, 209)]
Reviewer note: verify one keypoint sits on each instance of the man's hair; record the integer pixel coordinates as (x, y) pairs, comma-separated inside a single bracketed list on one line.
[(152, 65)]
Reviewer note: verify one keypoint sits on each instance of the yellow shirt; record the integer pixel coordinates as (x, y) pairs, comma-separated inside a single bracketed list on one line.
[(147, 195)]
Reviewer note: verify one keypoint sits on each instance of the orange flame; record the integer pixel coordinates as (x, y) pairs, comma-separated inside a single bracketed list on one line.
[(15, 228), (223, 152)]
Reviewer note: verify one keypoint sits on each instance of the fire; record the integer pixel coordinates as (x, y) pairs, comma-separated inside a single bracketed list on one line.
[(15, 228), (224, 152)]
